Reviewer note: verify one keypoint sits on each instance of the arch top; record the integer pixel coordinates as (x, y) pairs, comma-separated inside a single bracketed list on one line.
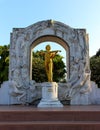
[(52, 24), (50, 28), (49, 23)]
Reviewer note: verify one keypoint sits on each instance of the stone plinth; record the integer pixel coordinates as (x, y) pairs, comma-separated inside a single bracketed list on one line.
[(50, 95)]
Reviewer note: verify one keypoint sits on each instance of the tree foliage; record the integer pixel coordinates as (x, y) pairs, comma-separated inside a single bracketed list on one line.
[(95, 68), (38, 68), (98, 53), (4, 62)]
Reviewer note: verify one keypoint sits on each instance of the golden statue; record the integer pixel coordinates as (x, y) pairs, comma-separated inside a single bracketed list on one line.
[(49, 55)]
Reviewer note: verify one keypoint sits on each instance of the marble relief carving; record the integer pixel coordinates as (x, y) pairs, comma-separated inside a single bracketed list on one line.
[(19, 71)]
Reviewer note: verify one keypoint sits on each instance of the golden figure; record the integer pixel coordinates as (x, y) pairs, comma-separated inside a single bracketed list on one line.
[(49, 55)]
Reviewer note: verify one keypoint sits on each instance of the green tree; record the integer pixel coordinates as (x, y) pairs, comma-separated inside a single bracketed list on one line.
[(98, 53), (95, 68), (4, 63), (59, 69), (38, 68)]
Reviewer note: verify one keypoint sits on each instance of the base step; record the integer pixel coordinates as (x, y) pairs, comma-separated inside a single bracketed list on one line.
[(66, 118), (51, 125)]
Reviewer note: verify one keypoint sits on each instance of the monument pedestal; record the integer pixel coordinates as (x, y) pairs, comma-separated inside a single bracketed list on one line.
[(50, 95)]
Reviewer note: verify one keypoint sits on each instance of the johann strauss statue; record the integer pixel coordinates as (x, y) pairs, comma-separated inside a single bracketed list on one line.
[(49, 55)]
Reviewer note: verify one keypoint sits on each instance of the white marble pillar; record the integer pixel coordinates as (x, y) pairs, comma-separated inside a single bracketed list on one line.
[(50, 95)]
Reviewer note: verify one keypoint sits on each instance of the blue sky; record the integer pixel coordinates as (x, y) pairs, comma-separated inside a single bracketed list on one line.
[(75, 13)]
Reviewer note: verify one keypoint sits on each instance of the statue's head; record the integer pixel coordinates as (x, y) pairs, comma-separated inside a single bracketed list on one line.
[(48, 47)]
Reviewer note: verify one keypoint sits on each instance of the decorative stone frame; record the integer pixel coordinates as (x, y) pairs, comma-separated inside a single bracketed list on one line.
[(23, 40), (51, 38)]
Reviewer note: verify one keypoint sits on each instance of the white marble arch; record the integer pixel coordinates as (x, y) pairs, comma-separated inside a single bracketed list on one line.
[(74, 41), (51, 38)]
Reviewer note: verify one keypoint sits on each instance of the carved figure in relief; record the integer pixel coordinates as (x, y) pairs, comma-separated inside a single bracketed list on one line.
[(49, 55), (78, 78)]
